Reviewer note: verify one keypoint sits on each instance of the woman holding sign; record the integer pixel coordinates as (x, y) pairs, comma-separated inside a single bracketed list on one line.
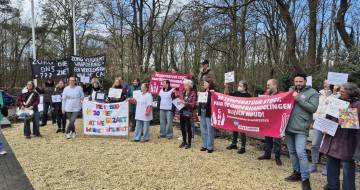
[(340, 148), (72, 98), (143, 113), (56, 100), (242, 91), (96, 91), (204, 111), (117, 93), (187, 113)]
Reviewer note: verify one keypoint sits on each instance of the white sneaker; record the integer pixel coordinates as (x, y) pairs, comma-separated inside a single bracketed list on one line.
[(55, 125), (68, 135), (3, 152), (73, 135)]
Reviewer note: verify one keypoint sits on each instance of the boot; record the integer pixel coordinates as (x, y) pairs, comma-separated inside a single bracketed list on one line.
[(295, 176), (306, 185)]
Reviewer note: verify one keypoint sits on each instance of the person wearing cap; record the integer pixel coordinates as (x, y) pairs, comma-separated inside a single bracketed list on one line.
[(206, 73)]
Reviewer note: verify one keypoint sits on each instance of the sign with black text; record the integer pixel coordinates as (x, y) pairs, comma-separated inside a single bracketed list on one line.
[(49, 69)]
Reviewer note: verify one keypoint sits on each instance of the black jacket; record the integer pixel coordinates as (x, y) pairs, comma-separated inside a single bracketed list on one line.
[(205, 106)]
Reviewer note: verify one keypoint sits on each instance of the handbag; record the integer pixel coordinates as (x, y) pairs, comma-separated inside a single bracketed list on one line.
[(26, 112)]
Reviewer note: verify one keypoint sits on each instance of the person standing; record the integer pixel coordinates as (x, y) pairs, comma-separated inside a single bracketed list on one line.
[(124, 92), (60, 117), (242, 91), (144, 114), (341, 148), (206, 73), (30, 100), (187, 113), (324, 94), (134, 88), (47, 91), (2, 149), (204, 111), (297, 130), (270, 142), (72, 98), (165, 105), (95, 88)]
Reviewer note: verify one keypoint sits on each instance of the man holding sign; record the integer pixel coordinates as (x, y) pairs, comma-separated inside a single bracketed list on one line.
[(306, 103)]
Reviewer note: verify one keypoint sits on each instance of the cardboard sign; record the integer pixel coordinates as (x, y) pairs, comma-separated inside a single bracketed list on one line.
[(325, 125), (335, 105), (349, 118), (115, 93), (106, 119), (203, 97), (309, 81), (179, 104), (230, 77), (337, 78), (56, 98)]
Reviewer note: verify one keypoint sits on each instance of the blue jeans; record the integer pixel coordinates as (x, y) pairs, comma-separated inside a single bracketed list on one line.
[(333, 173), (193, 129), (207, 132), (316, 142), (296, 144), (140, 126), (1, 143), (35, 119), (166, 123)]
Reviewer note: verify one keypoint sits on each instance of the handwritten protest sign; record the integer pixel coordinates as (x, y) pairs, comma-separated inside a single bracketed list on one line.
[(115, 93), (325, 125), (136, 94), (337, 78), (49, 69), (265, 116), (89, 66), (106, 119), (176, 81), (203, 97), (56, 98), (309, 81), (334, 106), (230, 77), (349, 118), (179, 104)]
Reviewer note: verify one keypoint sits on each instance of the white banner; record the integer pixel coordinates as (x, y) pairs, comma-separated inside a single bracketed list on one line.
[(106, 119)]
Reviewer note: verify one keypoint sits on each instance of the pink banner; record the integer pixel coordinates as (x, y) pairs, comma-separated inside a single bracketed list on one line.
[(263, 116), (176, 81)]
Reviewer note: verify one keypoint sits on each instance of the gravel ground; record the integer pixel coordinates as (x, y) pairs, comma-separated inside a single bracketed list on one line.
[(52, 162)]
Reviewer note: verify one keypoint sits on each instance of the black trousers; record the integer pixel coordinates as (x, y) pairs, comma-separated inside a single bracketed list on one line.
[(45, 113), (235, 137), (186, 124)]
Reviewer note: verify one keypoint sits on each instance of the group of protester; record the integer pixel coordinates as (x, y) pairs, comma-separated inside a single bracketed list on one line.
[(343, 149)]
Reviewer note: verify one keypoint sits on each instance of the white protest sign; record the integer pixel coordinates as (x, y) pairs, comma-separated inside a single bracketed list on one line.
[(100, 96), (230, 77), (41, 104), (178, 103), (106, 119), (309, 81), (85, 79), (115, 93), (325, 125), (337, 78), (136, 94), (56, 98), (334, 106), (203, 97)]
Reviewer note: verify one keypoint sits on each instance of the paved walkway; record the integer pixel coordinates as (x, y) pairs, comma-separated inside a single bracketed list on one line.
[(12, 176)]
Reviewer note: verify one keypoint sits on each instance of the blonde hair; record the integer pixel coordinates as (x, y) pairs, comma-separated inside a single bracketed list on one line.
[(189, 82), (114, 84)]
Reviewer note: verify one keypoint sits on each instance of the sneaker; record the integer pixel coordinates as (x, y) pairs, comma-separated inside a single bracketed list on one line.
[(231, 146), (63, 130), (264, 157), (210, 151), (278, 161), (324, 172), (54, 125), (188, 146), (39, 135), (73, 135), (294, 177), (241, 151), (3, 152), (203, 149), (58, 131), (306, 185), (68, 135), (28, 137), (313, 168), (182, 145)]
